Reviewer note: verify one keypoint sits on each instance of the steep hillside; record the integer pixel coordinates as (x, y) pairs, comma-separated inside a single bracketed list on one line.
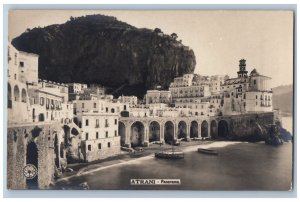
[(101, 49)]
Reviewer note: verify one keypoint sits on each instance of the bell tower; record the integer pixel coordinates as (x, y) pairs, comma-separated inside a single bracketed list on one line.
[(242, 72)]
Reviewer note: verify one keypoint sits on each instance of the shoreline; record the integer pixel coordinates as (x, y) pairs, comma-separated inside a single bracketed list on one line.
[(120, 162)]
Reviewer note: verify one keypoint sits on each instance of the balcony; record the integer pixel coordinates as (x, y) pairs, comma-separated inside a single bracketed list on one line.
[(97, 126), (106, 125)]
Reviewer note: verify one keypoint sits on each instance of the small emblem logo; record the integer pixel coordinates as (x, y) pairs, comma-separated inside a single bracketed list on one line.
[(30, 171)]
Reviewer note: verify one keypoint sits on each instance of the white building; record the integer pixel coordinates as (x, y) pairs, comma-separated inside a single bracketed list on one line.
[(246, 94), (131, 100), (31, 99), (158, 96), (100, 137)]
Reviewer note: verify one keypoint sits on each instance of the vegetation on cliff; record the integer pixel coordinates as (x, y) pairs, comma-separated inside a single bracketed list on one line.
[(101, 49)]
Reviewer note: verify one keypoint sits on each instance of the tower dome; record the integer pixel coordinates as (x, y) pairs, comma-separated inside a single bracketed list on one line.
[(254, 73)]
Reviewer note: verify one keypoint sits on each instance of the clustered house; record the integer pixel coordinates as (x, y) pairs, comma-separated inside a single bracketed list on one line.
[(90, 117)]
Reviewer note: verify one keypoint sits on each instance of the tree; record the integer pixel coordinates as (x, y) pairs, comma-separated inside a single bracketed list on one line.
[(174, 36), (157, 30)]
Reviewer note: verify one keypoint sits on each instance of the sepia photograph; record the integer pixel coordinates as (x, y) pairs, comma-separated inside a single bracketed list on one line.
[(150, 100)]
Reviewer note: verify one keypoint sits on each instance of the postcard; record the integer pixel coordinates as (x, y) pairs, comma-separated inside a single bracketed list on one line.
[(150, 100)]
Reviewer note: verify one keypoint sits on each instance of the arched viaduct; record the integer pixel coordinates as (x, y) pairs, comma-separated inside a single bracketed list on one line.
[(139, 131)]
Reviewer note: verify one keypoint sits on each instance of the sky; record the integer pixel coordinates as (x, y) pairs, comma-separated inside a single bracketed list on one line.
[(219, 39)]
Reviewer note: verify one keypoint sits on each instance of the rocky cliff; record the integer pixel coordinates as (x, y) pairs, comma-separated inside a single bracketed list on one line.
[(101, 49)]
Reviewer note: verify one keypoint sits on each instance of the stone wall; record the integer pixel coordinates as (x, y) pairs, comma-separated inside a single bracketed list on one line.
[(97, 153), (250, 126), (18, 138)]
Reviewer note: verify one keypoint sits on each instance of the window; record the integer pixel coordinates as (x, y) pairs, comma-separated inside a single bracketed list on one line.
[(15, 76), (82, 105), (116, 134), (125, 107), (106, 133), (97, 123), (86, 122), (41, 101), (254, 82), (86, 136), (21, 64), (97, 135), (116, 121), (256, 96), (95, 105), (89, 147), (108, 144), (106, 123), (99, 146), (106, 109), (112, 110), (244, 96)]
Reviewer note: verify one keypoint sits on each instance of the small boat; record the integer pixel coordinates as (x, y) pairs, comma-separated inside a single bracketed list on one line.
[(170, 154), (137, 152), (208, 151)]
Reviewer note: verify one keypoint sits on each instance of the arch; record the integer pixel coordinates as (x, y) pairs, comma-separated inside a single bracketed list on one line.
[(23, 96), (16, 93), (204, 129), (223, 131), (182, 129), (9, 96), (32, 158), (154, 131), (122, 133), (137, 134), (213, 129), (194, 129), (169, 132)]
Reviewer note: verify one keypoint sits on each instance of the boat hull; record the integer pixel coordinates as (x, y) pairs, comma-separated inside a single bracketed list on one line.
[(169, 155), (208, 151)]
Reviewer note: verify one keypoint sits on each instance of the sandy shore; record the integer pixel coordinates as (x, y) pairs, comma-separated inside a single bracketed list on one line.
[(102, 166)]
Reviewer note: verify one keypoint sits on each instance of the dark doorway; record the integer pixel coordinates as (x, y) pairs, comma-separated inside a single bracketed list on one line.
[(154, 131), (169, 132), (56, 151), (122, 133), (137, 134), (182, 129), (32, 158), (213, 129), (204, 129), (223, 129), (194, 129), (41, 117)]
